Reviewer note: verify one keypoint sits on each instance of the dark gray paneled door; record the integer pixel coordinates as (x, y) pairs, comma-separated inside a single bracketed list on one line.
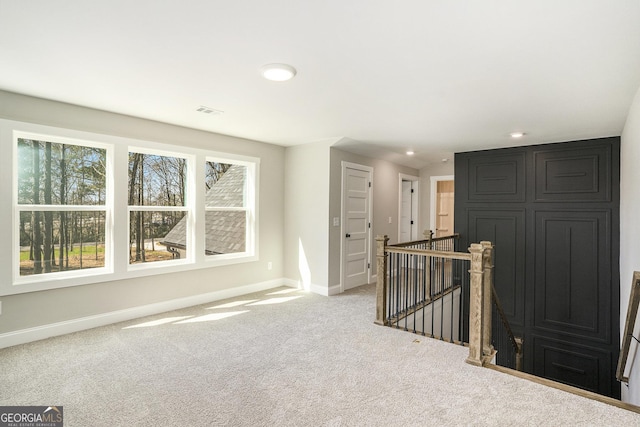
[(552, 212)]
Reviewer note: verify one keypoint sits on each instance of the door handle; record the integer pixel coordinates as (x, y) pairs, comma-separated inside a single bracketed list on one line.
[(348, 235)]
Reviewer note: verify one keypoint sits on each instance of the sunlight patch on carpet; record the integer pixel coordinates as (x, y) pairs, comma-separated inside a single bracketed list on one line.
[(233, 304), (279, 300), (284, 291), (157, 322), (212, 317)]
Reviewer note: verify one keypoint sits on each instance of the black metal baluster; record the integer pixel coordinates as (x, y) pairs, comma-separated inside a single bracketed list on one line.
[(432, 275), (416, 287), (450, 278), (442, 300), (390, 278), (396, 279), (424, 290), (404, 289), (391, 284), (464, 289)]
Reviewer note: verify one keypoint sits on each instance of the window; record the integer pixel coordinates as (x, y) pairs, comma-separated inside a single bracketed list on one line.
[(226, 213), (90, 208), (158, 212), (61, 205)]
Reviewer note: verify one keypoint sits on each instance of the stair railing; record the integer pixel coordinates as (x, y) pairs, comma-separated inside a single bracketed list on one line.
[(516, 343), (629, 325), (404, 268)]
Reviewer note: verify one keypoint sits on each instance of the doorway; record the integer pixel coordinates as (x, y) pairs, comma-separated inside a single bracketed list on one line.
[(356, 225), (408, 224), (442, 205)]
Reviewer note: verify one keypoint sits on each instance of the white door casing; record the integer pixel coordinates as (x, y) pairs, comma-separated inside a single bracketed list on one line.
[(444, 202), (441, 206), (408, 204), (356, 225)]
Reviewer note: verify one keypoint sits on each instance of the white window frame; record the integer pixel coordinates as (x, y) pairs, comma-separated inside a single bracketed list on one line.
[(188, 208), (117, 265), (250, 205), (107, 208)]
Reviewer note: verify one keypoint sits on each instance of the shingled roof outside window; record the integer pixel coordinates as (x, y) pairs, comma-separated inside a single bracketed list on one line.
[(225, 229)]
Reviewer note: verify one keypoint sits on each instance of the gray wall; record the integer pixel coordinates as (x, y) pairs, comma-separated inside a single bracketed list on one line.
[(40, 308), (312, 243), (306, 200)]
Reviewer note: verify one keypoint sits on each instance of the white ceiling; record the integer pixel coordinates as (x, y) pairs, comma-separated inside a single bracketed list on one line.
[(380, 76)]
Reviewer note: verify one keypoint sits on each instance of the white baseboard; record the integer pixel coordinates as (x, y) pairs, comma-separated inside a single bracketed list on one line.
[(23, 336), (291, 283), (316, 289), (334, 290)]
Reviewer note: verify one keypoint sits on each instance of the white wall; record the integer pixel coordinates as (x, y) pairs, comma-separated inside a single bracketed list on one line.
[(630, 233), (34, 309), (306, 216)]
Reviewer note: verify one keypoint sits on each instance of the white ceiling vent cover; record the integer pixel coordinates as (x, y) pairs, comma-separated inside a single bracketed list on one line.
[(209, 110)]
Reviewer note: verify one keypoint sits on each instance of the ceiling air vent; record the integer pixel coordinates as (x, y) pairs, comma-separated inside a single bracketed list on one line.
[(209, 110)]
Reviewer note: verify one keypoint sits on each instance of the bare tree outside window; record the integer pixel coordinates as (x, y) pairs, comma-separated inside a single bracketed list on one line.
[(155, 182), (69, 208), (54, 181)]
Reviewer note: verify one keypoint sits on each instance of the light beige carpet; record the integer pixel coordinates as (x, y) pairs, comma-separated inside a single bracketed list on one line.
[(282, 357)]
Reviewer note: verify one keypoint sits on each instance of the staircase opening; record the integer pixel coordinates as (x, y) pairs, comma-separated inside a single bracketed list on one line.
[(432, 289)]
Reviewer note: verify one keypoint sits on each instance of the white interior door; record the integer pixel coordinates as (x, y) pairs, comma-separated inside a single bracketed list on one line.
[(356, 226), (408, 211)]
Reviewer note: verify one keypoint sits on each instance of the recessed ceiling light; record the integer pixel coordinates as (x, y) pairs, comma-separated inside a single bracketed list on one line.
[(445, 160), (410, 153), (516, 134), (278, 72)]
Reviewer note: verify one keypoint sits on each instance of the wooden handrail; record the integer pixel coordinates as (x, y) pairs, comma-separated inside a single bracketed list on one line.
[(381, 259), (429, 252), (418, 242), (629, 324), (480, 257)]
